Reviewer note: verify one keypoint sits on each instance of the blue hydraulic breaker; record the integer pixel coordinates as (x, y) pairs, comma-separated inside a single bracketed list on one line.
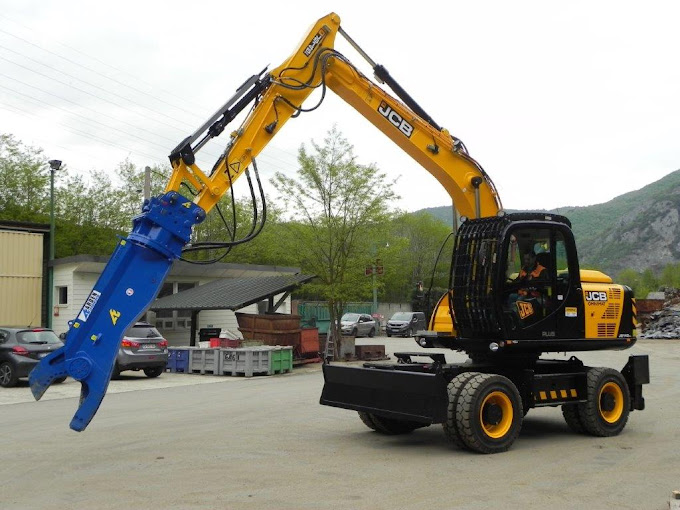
[(127, 286)]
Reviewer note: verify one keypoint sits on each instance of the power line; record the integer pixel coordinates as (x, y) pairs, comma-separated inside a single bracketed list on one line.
[(277, 161), (92, 70), (70, 86)]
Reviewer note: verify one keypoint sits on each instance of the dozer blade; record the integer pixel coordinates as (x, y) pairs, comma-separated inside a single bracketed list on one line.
[(398, 394)]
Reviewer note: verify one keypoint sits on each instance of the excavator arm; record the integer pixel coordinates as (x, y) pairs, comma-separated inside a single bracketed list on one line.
[(140, 263)]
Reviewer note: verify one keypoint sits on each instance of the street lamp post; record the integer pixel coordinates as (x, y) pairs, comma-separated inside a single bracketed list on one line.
[(55, 165)]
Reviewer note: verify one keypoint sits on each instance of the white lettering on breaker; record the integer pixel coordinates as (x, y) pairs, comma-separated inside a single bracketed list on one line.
[(89, 305)]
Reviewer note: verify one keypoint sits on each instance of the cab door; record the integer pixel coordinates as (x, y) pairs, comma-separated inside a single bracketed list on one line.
[(540, 302)]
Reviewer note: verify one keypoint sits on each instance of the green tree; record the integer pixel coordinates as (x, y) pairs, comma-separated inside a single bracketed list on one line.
[(419, 238), (337, 206), (24, 181), (641, 283), (670, 275)]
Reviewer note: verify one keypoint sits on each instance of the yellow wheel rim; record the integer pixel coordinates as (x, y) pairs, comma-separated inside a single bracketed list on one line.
[(500, 429), (613, 390)]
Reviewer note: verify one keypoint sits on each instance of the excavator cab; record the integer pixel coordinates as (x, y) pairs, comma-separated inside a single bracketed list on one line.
[(515, 278)]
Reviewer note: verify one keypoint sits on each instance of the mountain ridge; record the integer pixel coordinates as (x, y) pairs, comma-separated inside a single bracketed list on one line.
[(638, 230)]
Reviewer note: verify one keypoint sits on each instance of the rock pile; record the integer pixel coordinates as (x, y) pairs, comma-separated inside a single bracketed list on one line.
[(665, 323)]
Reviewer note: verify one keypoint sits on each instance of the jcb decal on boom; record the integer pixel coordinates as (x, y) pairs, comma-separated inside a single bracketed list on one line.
[(395, 119), (316, 40)]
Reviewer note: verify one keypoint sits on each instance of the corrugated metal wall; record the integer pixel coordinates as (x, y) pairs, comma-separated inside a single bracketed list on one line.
[(21, 258)]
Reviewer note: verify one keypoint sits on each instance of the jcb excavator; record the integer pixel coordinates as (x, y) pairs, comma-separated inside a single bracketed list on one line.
[(502, 323)]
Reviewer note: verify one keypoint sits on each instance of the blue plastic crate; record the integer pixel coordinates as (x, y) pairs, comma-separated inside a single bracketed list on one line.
[(178, 359)]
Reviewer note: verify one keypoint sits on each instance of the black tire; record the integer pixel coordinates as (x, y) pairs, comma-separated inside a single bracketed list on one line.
[(450, 426), (489, 413), (367, 418), (59, 380), (8, 375), (116, 372), (573, 418), (153, 372), (389, 335), (392, 427), (409, 333), (355, 332), (371, 333), (606, 411)]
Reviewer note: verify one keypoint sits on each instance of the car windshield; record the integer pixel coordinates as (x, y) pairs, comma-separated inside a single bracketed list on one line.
[(401, 316), (38, 336), (142, 332), (350, 317)]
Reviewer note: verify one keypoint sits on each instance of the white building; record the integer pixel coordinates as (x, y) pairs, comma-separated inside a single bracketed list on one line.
[(74, 278)]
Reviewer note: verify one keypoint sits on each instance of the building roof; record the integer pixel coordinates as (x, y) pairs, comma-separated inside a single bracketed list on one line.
[(96, 264), (25, 226), (230, 294), (657, 295)]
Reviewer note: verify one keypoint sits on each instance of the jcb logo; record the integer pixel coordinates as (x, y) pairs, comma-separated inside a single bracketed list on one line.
[(315, 42), (596, 296), (395, 119), (524, 309)]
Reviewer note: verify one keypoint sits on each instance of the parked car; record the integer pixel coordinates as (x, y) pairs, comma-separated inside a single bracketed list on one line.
[(142, 348), (21, 349), (358, 324), (406, 323)]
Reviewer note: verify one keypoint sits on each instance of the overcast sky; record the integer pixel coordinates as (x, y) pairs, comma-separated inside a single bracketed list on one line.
[(563, 103)]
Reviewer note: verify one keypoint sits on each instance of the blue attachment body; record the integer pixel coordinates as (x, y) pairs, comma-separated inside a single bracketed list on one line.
[(127, 286)]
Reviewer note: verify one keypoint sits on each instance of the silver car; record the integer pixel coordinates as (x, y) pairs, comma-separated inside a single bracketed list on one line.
[(142, 348), (358, 324)]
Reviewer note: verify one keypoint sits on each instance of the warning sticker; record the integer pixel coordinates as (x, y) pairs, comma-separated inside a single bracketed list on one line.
[(570, 311), (89, 305)]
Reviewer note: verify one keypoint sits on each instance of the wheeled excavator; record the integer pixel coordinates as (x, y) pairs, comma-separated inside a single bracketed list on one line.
[(505, 326)]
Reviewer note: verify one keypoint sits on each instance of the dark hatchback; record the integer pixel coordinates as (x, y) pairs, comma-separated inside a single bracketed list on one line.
[(21, 349)]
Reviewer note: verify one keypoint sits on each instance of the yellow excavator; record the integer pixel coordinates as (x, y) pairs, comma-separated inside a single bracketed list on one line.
[(493, 312)]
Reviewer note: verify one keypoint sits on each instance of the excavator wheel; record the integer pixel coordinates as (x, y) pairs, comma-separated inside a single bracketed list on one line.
[(367, 418), (605, 413), (450, 426), (389, 426), (573, 418), (489, 413)]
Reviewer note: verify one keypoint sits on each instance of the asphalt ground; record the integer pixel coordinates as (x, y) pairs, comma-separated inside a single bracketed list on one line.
[(206, 442)]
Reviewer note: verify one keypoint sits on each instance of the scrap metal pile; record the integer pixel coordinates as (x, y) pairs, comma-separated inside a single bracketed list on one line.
[(664, 323)]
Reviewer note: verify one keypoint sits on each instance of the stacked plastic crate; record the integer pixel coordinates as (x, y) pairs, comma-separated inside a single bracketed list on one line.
[(249, 361)]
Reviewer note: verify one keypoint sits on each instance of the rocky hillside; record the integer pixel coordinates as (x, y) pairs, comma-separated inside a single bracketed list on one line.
[(639, 230)]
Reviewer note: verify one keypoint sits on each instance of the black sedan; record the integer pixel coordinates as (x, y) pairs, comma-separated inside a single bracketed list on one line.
[(21, 349)]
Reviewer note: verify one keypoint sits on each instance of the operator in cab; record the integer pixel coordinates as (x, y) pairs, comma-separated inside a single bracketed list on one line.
[(531, 269), (528, 289)]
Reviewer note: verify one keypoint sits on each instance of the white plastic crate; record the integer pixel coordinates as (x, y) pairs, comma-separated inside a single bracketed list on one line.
[(204, 361), (246, 360)]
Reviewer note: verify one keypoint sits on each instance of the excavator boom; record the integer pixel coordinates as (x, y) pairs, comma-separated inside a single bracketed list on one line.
[(140, 263)]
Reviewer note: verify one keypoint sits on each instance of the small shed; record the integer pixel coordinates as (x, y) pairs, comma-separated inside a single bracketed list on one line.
[(230, 294)]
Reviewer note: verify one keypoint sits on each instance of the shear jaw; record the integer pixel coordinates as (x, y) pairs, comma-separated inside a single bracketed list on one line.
[(79, 367)]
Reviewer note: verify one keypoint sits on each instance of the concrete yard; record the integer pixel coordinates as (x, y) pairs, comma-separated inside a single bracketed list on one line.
[(207, 442)]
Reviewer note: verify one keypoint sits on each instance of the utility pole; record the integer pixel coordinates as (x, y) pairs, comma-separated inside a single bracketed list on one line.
[(147, 183), (55, 165)]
